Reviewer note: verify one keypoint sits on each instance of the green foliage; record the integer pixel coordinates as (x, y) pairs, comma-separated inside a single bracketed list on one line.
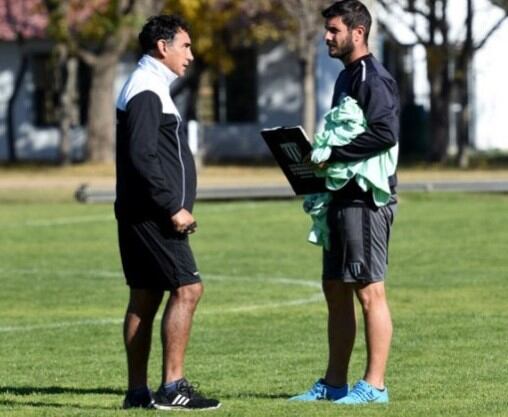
[(219, 26), (90, 24), (259, 333)]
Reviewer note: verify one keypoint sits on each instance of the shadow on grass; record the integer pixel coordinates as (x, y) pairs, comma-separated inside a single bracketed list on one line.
[(55, 390), (46, 404), (25, 391), (59, 390), (259, 395)]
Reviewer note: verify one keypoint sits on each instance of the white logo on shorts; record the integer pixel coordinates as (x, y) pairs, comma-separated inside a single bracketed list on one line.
[(355, 268)]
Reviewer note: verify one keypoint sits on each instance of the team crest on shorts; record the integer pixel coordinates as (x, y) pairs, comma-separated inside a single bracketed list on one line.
[(355, 268)]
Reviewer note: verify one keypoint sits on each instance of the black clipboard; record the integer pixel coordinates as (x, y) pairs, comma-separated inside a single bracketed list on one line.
[(289, 146)]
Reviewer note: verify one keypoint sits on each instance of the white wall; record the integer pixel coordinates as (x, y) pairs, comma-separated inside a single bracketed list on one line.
[(32, 143), (491, 92), (279, 104), (36, 143), (279, 90), (8, 63), (280, 100), (489, 73)]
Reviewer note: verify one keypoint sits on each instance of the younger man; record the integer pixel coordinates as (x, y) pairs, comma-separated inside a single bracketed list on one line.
[(355, 263)]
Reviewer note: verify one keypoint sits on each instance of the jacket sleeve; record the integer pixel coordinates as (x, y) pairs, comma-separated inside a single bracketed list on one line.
[(143, 121), (378, 98)]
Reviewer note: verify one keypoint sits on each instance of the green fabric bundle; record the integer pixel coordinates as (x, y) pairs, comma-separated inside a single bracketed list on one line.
[(342, 124)]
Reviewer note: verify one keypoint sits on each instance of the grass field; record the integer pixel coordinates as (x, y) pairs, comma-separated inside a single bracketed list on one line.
[(259, 334)]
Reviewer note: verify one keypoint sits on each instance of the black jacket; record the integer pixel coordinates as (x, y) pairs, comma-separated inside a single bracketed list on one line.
[(155, 170), (376, 92)]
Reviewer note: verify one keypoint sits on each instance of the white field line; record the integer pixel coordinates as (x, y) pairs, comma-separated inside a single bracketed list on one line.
[(255, 307), (61, 273), (63, 221), (59, 325), (205, 312), (206, 277), (288, 281)]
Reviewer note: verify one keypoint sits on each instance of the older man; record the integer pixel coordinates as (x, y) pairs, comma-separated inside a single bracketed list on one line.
[(156, 189)]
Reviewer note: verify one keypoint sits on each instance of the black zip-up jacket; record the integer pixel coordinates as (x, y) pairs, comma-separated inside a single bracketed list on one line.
[(155, 170), (376, 92)]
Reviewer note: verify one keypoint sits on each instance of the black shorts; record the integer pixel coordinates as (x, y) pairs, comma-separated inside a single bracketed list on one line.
[(155, 257), (359, 236)]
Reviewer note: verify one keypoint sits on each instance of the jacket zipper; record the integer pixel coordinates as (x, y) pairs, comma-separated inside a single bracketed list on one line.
[(180, 158)]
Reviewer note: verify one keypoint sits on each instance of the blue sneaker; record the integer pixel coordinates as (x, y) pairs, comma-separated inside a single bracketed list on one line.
[(321, 391), (364, 393)]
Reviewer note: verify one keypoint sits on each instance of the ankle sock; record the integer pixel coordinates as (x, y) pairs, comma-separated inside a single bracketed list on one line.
[(171, 386)]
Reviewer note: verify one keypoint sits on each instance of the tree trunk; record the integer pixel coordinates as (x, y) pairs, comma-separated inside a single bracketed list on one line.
[(308, 65), (463, 88), (66, 85), (101, 112), (439, 127), (437, 70), (464, 120), (11, 114)]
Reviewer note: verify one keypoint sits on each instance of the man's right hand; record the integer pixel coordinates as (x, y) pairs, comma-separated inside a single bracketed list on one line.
[(316, 167), (184, 222)]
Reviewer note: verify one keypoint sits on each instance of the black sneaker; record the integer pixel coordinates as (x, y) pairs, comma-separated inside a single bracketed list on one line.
[(184, 398), (138, 401)]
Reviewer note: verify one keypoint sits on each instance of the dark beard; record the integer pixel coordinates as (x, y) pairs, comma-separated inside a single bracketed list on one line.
[(343, 51)]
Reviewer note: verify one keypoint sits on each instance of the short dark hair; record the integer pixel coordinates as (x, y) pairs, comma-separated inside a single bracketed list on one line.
[(160, 27), (353, 14)]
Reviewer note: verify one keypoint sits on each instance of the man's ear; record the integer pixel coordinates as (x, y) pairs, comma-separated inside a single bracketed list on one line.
[(359, 33), (161, 48)]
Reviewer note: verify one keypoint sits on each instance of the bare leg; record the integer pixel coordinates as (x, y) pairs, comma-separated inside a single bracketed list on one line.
[(175, 330), (378, 331), (137, 332), (341, 330)]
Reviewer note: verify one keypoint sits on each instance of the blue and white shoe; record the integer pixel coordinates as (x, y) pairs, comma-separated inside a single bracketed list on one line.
[(322, 391), (364, 393)]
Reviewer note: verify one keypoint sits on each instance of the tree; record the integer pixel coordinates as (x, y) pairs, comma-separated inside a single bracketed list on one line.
[(65, 78), (96, 31), (308, 27), (19, 20), (462, 77), (303, 33), (229, 24), (99, 40), (503, 4), (449, 62)]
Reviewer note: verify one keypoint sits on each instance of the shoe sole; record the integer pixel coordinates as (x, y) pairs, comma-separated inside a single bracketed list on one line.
[(178, 408), (150, 406), (364, 403)]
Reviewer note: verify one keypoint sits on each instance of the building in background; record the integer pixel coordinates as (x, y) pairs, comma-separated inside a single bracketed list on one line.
[(487, 79), (264, 90)]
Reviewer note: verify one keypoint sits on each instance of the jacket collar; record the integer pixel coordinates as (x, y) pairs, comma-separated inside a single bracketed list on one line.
[(151, 64), (356, 62)]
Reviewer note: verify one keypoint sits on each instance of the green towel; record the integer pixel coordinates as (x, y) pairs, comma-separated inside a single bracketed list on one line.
[(316, 205), (342, 124)]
